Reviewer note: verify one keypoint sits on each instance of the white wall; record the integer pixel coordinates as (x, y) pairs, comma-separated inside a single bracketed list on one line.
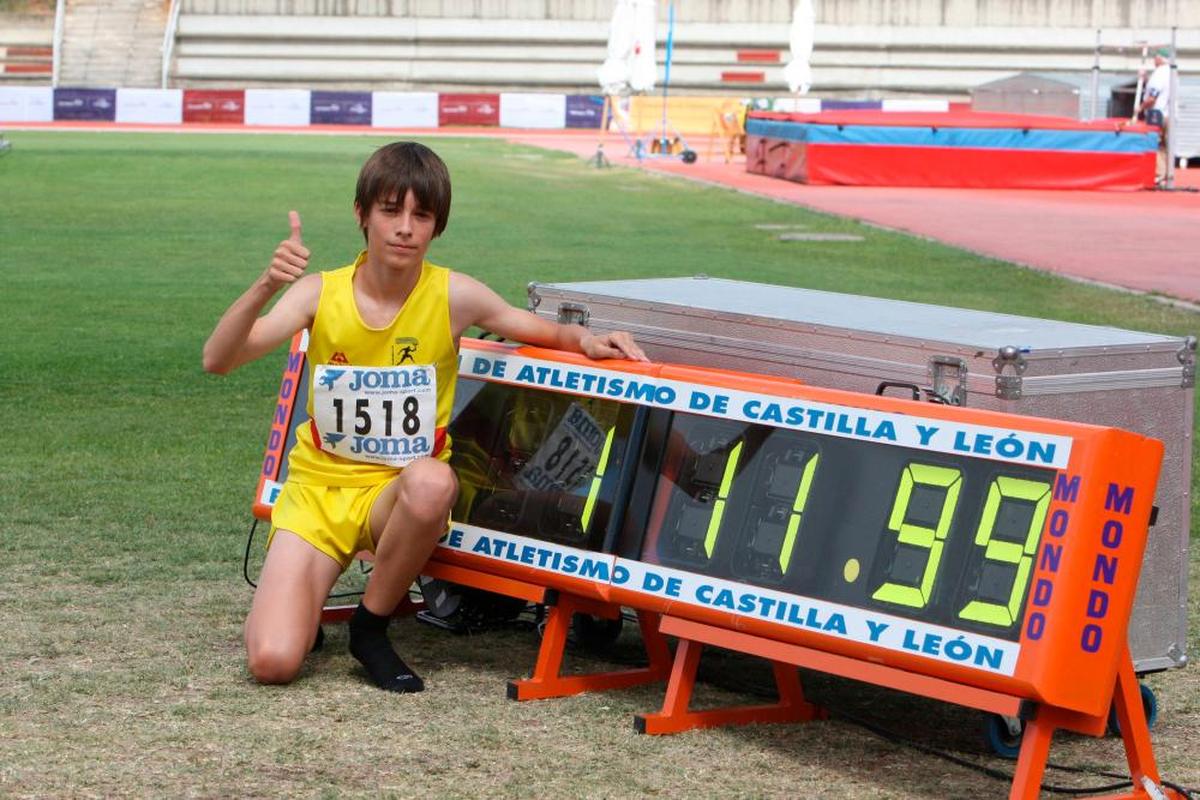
[(158, 106), (277, 106), (26, 104)]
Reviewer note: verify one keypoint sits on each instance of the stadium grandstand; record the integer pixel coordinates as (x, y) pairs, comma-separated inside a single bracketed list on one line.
[(923, 48)]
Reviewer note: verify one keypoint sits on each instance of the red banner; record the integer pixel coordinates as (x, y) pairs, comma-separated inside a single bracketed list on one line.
[(468, 109), (214, 105)]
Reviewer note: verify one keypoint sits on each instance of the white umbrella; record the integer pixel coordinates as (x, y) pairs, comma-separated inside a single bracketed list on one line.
[(798, 73), (630, 64)]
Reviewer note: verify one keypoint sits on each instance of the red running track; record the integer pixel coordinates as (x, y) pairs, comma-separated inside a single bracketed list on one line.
[(1143, 241)]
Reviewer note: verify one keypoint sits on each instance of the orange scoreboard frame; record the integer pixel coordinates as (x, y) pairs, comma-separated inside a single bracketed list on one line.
[(945, 546)]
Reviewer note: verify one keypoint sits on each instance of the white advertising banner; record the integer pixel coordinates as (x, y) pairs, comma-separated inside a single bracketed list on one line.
[(798, 105), (852, 422), (162, 106), (404, 110), (26, 104), (689, 589), (277, 106), (519, 110), (915, 104)]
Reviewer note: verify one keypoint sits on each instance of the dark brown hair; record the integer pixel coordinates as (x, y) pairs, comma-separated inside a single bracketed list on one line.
[(394, 169)]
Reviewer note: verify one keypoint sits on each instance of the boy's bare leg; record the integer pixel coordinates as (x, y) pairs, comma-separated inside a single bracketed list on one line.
[(407, 520), (282, 624)]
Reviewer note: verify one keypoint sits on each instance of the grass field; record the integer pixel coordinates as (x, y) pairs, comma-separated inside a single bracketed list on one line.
[(126, 478)]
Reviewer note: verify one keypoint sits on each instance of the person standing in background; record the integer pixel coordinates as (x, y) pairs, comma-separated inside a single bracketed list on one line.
[(1156, 106)]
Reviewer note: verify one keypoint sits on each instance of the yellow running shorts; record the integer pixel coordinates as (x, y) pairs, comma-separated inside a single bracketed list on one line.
[(334, 519)]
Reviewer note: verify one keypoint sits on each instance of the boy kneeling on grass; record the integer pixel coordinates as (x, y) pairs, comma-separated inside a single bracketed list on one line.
[(369, 470)]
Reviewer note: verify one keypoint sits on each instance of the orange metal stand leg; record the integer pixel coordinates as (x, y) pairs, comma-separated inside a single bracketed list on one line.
[(1135, 731), (655, 644), (1139, 752), (676, 715), (1035, 749), (547, 680)]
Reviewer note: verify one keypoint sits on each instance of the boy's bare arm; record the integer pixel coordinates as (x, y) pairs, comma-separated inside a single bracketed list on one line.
[(473, 303), (241, 335)]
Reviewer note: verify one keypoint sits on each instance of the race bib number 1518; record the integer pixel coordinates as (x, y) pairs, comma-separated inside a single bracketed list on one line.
[(378, 415)]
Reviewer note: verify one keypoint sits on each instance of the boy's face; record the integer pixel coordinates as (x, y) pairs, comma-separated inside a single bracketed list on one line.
[(398, 231)]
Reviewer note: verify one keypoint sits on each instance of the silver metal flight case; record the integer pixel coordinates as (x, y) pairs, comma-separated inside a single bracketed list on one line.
[(1141, 382)]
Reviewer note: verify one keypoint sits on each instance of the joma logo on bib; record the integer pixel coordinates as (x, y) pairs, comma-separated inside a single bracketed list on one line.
[(414, 447), (378, 379)]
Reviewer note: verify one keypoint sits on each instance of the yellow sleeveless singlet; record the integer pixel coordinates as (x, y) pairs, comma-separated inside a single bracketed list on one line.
[(419, 334)]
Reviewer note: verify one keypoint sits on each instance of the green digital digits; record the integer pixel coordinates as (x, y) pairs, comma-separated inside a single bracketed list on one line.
[(1019, 553), (931, 539), (714, 522), (789, 538), (590, 504)]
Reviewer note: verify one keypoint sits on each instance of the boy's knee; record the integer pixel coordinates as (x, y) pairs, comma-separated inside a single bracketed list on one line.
[(273, 662), (429, 488)]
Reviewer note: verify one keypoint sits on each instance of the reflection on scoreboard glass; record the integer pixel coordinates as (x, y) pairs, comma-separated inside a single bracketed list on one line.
[(933, 537), (537, 463)]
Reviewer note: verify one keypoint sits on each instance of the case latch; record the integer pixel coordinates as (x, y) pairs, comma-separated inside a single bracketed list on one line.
[(573, 314), (948, 379), (1187, 357), (1008, 386)]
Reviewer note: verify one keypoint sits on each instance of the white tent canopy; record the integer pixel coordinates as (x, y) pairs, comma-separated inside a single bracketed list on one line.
[(630, 65), (798, 72)]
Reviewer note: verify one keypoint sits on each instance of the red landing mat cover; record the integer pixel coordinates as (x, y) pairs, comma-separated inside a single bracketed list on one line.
[(859, 151)]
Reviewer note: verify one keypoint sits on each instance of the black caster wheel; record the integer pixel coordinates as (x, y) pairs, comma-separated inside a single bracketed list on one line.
[(1003, 735), (462, 609), (595, 634), (1149, 706)]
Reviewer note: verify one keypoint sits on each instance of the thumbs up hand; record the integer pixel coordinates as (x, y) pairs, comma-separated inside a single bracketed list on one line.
[(290, 258)]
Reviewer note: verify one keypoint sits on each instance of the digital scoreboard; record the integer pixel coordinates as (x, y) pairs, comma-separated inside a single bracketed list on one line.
[(994, 550), (991, 550)]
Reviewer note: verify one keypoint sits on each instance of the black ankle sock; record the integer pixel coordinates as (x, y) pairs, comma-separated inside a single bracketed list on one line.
[(369, 644)]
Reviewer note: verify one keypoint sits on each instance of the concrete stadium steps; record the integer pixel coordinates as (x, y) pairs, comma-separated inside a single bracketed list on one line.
[(564, 55), (113, 43), (26, 49), (1048, 14), (465, 75)]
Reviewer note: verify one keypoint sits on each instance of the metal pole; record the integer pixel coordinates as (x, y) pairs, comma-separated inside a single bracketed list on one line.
[(168, 45), (1172, 107), (1095, 79), (1141, 82), (662, 142)]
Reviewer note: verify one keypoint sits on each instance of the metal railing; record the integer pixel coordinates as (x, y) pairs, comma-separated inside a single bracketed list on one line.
[(60, 12), (168, 45)]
